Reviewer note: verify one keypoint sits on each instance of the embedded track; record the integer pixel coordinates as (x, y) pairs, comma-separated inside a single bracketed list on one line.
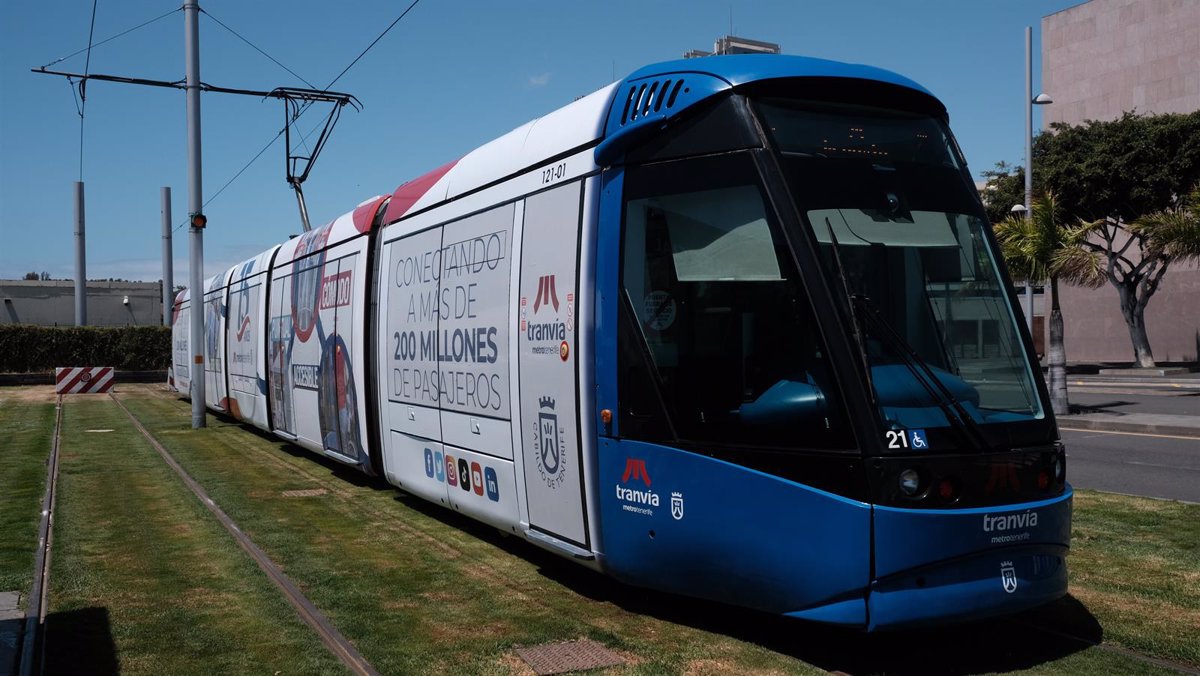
[(30, 660), (309, 614), (340, 490)]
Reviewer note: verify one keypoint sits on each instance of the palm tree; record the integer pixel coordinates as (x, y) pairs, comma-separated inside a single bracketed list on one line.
[(1043, 247)]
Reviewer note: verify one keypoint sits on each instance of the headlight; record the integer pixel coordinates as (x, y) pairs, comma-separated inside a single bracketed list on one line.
[(910, 482)]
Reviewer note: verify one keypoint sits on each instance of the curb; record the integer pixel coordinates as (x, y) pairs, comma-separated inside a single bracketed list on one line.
[(1140, 383), (1136, 428)]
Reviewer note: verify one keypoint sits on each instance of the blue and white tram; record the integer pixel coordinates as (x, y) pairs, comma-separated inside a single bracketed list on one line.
[(732, 327)]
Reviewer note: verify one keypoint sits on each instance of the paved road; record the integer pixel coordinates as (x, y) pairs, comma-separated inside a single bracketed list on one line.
[(1153, 466)]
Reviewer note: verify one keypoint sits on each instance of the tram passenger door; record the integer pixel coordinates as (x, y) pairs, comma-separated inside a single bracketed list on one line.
[(413, 456), (550, 448), (279, 338), (474, 365)]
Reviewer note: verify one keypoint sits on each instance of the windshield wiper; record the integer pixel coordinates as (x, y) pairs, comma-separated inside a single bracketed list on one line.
[(956, 414), (951, 407), (856, 323)]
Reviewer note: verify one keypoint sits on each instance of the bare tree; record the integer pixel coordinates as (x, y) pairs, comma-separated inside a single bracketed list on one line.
[(1139, 254)]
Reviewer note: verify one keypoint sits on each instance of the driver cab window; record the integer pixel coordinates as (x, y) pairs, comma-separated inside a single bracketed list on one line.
[(719, 345)]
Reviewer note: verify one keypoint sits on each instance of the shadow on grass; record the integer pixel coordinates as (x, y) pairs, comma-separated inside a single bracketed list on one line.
[(79, 642), (989, 646), (1007, 644), (347, 473), (341, 471)]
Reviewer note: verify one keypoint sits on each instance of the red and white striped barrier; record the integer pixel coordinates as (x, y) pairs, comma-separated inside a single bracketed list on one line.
[(83, 379)]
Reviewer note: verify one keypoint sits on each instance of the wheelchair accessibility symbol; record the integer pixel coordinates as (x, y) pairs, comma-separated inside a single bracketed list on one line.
[(917, 439)]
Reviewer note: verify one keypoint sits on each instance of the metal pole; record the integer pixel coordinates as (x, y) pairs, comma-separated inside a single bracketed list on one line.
[(80, 260), (303, 208), (191, 26), (168, 265), (1029, 159)]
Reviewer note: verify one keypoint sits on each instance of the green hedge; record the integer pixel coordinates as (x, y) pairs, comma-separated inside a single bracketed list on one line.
[(25, 348)]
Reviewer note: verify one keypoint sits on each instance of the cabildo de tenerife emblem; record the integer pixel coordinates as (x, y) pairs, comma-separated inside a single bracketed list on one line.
[(1008, 576), (549, 447)]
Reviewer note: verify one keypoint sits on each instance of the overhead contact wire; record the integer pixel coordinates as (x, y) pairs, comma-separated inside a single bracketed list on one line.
[(306, 104), (277, 62), (82, 105), (111, 38), (245, 167), (376, 40), (256, 47)]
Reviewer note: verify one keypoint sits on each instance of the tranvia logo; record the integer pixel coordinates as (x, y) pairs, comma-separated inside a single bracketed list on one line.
[(549, 444), (635, 469), (677, 506), (635, 499), (241, 334), (548, 333), (1001, 525), (1008, 576), (546, 293), (1003, 476), (1009, 521)]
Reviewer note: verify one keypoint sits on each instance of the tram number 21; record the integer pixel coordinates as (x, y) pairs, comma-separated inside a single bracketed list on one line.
[(897, 439)]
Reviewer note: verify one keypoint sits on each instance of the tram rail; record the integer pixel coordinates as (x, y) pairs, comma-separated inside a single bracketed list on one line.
[(330, 637), (32, 642)]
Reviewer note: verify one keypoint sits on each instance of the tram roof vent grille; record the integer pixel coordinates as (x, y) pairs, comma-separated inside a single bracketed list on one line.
[(653, 96)]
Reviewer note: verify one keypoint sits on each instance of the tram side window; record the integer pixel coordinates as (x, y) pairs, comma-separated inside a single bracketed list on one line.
[(717, 339)]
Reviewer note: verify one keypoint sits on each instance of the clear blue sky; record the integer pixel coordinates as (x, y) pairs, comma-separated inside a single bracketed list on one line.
[(449, 77)]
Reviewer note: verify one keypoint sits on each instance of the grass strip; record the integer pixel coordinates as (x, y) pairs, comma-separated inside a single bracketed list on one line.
[(144, 580), (1135, 564), (1097, 662), (28, 425), (419, 588)]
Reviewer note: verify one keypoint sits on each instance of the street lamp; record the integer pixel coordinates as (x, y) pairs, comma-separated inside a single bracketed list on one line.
[(1027, 208)]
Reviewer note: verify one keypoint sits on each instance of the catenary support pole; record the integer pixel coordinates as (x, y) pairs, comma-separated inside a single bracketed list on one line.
[(80, 260), (1029, 159), (191, 25), (168, 266)]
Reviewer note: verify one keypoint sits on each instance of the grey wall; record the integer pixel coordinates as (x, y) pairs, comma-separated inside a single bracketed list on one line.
[(52, 303), (1096, 331), (1100, 59), (1105, 57)]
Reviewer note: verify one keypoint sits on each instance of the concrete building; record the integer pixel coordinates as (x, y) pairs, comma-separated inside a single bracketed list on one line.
[(52, 303), (730, 44), (1100, 59)]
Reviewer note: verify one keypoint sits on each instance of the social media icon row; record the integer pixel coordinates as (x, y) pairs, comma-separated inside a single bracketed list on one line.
[(471, 477)]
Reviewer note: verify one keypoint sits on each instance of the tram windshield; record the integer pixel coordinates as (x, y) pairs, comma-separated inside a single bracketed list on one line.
[(719, 347), (888, 190)]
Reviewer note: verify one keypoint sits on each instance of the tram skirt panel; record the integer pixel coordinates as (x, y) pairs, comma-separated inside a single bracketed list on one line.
[(694, 525)]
